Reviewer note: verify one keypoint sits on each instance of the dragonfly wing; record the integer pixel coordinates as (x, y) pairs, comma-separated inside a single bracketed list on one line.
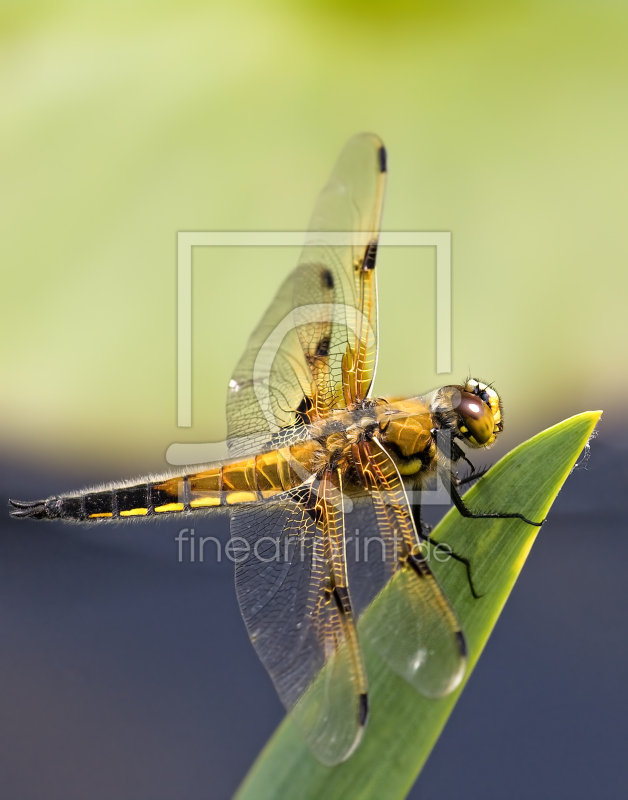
[(350, 204), (372, 560), (415, 630), (291, 586), (316, 347), (271, 384)]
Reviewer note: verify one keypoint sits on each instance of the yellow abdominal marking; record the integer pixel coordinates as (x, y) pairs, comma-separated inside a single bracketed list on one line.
[(169, 507), (96, 516), (205, 501), (133, 512), (240, 497)]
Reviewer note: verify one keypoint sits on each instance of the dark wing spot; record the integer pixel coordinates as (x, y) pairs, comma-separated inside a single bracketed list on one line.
[(328, 279), (370, 255), (382, 159), (322, 348), (364, 709), (303, 411), (341, 596), (419, 564)]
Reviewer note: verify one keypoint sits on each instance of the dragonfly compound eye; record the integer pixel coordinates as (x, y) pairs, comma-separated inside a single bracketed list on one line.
[(476, 418)]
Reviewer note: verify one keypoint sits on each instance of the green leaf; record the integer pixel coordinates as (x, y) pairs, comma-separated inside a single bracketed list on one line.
[(403, 725)]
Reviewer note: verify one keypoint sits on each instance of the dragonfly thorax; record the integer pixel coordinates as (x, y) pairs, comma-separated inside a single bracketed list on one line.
[(405, 429)]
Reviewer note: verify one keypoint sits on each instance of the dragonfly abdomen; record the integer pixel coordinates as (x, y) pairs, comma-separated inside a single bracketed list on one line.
[(219, 485), (115, 502)]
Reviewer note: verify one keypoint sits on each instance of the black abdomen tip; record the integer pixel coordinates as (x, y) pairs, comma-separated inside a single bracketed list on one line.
[(29, 509)]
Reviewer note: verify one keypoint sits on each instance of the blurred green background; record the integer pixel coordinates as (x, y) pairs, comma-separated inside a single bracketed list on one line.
[(124, 123), (128, 674)]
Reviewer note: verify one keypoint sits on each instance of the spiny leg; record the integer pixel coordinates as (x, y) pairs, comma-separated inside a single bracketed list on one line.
[(473, 476), (423, 530), (451, 483)]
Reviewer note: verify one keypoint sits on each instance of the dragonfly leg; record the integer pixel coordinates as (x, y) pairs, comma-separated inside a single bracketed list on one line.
[(452, 483), (424, 530), (460, 559), (473, 476)]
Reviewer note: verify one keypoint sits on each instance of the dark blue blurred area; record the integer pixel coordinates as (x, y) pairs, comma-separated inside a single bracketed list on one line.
[(126, 674)]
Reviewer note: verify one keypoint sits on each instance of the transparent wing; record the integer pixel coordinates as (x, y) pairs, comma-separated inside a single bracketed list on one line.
[(292, 590), (316, 347), (372, 560), (415, 631)]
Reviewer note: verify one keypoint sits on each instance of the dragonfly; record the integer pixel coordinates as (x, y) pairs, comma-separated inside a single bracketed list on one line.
[(315, 460)]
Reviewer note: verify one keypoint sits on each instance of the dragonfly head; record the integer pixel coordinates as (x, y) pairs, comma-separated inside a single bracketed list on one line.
[(472, 411)]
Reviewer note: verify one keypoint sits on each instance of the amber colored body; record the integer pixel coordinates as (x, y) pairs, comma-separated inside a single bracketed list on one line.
[(403, 427)]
